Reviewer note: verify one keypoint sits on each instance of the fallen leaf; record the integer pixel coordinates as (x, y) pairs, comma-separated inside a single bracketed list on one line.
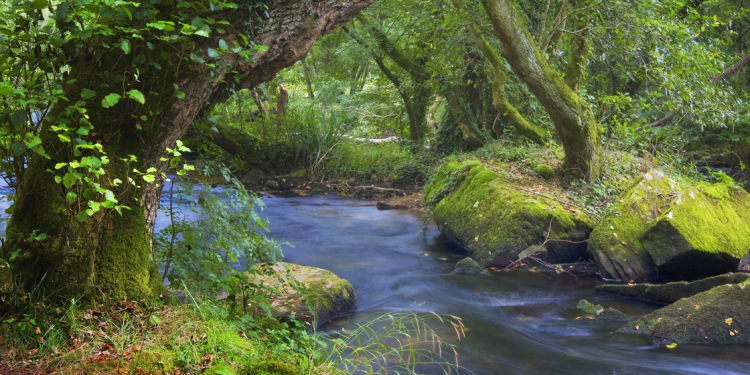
[(614, 234), (731, 333), (637, 327), (728, 321), (476, 238), (697, 306), (38, 331), (476, 204), (672, 345), (623, 242)]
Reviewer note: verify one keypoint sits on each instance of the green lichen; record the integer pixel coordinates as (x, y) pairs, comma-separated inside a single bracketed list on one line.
[(657, 220), (492, 219)]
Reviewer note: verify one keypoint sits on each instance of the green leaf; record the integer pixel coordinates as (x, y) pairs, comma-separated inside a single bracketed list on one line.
[(154, 319), (88, 94), (110, 100), (69, 180), (60, 165), (149, 178), (82, 216), (159, 26), (223, 44), (58, 179), (125, 45), (71, 197), (137, 96)]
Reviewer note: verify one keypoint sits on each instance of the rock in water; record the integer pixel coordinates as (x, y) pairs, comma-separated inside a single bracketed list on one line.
[(661, 228), (253, 176), (671, 292), (609, 314), (495, 222), (272, 185), (717, 316), (589, 308), (327, 297), (6, 277), (469, 266)]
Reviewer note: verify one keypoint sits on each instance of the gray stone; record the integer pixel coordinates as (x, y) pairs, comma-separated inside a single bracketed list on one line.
[(253, 176), (468, 266)]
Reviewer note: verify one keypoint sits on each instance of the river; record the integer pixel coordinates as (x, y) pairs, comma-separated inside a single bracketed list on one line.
[(517, 322)]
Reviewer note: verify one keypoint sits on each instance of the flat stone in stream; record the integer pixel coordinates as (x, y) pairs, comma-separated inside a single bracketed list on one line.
[(597, 312), (327, 296), (671, 292)]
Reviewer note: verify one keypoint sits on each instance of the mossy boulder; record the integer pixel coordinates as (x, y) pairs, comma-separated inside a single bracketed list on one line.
[(717, 316), (544, 170), (6, 277), (326, 296), (671, 292), (468, 266), (589, 308), (494, 221), (658, 227)]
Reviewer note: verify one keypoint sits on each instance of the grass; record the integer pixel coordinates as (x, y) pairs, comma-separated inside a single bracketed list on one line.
[(190, 336)]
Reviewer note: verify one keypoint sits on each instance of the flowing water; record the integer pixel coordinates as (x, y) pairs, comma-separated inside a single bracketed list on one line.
[(517, 322)]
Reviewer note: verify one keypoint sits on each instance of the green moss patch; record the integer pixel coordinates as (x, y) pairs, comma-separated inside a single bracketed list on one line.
[(658, 227), (494, 221)]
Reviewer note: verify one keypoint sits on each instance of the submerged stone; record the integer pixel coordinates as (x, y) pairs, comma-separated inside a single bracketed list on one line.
[(718, 316), (661, 228), (671, 292), (484, 212), (609, 314), (589, 308), (272, 185), (468, 266), (327, 296)]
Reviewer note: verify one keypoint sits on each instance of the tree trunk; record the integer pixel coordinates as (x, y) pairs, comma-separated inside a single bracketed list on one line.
[(283, 101), (307, 72), (572, 117), (258, 102), (109, 256)]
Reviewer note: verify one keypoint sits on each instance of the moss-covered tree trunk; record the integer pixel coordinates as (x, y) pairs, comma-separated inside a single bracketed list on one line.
[(572, 117), (109, 255)]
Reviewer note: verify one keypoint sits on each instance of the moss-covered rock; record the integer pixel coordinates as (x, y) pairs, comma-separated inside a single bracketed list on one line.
[(671, 292), (327, 296), (658, 227), (6, 277), (588, 307), (494, 222), (544, 170), (468, 266), (717, 316), (609, 314)]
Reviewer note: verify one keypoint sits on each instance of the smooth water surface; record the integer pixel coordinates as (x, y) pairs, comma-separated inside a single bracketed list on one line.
[(517, 322)]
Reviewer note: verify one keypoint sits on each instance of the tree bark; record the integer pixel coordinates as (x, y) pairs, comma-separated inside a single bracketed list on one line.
[(258, 102), (572, 117), (283, 101), (109, 256)]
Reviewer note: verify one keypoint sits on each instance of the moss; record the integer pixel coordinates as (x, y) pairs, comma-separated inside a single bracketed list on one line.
[(446, 179), (671, 292), (492, 219), (220, 369), (657, 220), (544, 170), (718, 316), (589, 308), (273, 368), (327, 296)]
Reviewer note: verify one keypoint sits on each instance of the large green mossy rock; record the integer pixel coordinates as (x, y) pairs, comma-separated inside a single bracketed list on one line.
[(326, 296), (671, 292), (495, 222), (717, 316), (659, 228)]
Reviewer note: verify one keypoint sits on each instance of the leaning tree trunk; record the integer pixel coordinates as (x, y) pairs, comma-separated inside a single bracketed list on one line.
[(572, 117), (109, 256)]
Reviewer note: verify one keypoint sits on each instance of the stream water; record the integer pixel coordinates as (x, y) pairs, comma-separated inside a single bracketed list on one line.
[(517, 322)]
